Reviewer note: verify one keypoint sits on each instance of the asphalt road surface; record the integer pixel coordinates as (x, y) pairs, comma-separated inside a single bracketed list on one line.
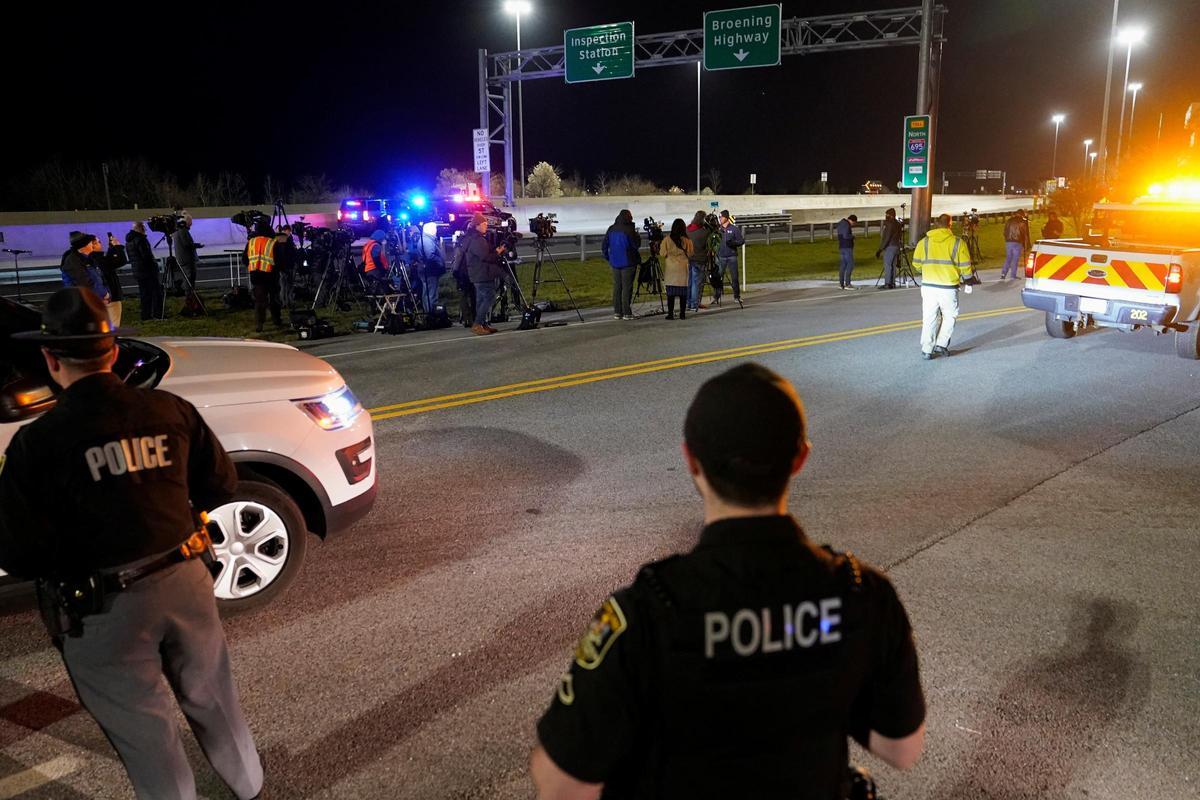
[(1034, 501)]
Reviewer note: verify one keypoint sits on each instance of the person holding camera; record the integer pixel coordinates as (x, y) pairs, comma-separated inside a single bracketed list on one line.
[(263, 267), (375, 263), (108, 263), (676, 254), (1016, 243), (845, 237), (698, 260), (727, 254), (484, 268), (99, 503), (186, 249), (145, 271), (621, 248), (80, 268), (741, 668), (890, 242)]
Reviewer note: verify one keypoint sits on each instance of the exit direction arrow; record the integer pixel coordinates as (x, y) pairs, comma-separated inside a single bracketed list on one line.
[(598, 52), (736, 38)]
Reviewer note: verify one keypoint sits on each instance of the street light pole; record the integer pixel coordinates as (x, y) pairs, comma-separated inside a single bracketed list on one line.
[(1107, 92), (1087, 146), (1057, 119), (698, 67), (1129, 37), (517, 8), (1135, 88)]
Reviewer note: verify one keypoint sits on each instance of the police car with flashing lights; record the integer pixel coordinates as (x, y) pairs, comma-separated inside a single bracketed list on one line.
[(1137, 266), (302, 443)]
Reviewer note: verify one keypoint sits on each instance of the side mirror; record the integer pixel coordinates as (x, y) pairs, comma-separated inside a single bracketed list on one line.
[(24, 399)]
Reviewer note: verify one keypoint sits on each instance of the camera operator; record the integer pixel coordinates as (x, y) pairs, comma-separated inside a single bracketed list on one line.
[(433, 264), (286, 257), (145, 270), (697, 260), (264, 275), (727, 253), (185, 248), (890, 240), (620, 247), (78, 268), (375, 263), (484, 269), (108, 263)]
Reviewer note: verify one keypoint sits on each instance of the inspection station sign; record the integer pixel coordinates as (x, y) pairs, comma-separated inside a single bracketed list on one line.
[(735, 38), (916, 152), (599, 52)]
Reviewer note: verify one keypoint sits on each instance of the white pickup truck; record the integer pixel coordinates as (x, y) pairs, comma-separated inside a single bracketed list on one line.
[(1137, 266)]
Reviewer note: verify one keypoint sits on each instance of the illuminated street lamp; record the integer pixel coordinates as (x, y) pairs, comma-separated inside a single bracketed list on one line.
[(1057, 119), (1135, 88), (1128, 37), (1092, 162), (517, 8), (1087, 146)]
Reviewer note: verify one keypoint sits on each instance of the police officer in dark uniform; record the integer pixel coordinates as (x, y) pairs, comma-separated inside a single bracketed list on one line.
[(98, 502), (740, 668)]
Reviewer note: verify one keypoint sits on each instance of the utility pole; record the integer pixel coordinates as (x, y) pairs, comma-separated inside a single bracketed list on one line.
[(922, 199), (698, 68), (1112, 42), (104, 172)]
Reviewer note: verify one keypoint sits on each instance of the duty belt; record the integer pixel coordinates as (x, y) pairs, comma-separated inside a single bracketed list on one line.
[(197, 545)]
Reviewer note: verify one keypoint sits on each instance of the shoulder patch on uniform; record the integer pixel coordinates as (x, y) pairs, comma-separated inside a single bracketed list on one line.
[(606, 626), (3, 458)]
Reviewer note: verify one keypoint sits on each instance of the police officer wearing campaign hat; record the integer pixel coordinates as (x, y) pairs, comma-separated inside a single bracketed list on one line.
[(738, 669), (98, 503)]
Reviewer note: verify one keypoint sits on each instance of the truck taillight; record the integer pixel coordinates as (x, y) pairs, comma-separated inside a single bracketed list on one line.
[(1175, 279), (1030, 261)]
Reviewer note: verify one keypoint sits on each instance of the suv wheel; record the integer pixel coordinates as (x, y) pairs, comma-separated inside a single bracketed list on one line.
[(1187, 343), (1059, 329), (259, 540)]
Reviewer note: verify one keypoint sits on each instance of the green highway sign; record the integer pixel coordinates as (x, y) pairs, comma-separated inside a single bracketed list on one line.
[(915, 159), (736, 38), (599, 52)]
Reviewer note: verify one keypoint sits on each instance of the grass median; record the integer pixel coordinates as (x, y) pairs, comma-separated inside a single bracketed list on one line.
[(590, 282)]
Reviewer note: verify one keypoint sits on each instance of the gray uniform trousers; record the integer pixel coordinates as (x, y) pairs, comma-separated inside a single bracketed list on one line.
[(164, 625)]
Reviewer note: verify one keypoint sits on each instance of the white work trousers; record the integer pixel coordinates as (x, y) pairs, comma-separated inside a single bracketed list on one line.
[(939, 310)]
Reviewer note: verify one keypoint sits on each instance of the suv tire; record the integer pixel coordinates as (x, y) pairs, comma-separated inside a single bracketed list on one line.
[(1187, 343), (1059, 329), (259, 538)]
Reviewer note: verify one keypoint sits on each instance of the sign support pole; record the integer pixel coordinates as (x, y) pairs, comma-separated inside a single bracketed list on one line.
[(698, 69), (922, 199)]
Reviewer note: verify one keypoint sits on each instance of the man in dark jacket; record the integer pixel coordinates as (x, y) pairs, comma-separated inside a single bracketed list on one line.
[(185, 250), (484, 269), (620, 248), (698, 262), (1053, 229), (845, 235), (1016, 242), (889, 246), (145, 271), (433, 264), (78, 268), (727, 254)]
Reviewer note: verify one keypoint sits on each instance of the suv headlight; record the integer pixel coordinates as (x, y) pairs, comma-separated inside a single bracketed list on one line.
[(333, 411)]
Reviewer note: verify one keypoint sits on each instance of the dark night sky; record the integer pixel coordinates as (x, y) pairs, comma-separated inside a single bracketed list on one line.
[(383, 95)]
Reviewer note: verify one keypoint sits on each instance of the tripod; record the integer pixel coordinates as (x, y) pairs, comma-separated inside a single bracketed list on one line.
[(650, 278), (16, 254), (334, 287), (170, 265), (542, 254)]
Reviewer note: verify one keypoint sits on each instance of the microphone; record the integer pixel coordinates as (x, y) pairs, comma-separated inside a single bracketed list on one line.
[(18, 252)]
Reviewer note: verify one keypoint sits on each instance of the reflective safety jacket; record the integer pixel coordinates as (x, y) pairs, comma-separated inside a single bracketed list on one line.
[(260, 253), (371, 261), (943, 258)]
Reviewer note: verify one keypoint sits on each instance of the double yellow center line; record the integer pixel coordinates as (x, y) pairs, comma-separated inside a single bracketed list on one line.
[(646, 367)]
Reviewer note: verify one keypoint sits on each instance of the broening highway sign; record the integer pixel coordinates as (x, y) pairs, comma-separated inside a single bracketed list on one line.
[(735, 38)]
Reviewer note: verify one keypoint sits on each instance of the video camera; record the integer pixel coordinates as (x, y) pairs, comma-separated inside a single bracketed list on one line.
[(543, 226), (653, 229), (971, 218), (712, 222), (249, 218), (165, 224)]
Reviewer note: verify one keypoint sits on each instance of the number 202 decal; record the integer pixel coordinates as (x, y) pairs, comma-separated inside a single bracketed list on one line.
[(1139, 314)]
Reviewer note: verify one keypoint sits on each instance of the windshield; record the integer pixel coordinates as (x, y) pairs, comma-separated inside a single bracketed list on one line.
[(1170, 229)]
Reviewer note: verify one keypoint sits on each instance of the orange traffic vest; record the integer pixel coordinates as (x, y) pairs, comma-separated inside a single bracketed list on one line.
[(260, 251), (369, 258)]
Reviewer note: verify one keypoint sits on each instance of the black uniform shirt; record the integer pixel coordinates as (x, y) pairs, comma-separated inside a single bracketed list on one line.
[(737, 670), (104, 478)]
